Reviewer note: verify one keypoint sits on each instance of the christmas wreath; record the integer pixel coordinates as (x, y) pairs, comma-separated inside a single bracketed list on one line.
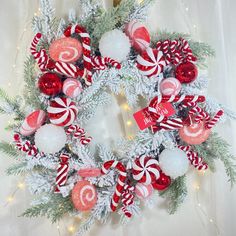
[(75, 66)]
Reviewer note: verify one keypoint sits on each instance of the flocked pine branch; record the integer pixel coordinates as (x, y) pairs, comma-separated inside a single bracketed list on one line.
[(17, 169), (31, 92), (54, 209), (216, 148), (11, 106), (9, 149), (175, 194)]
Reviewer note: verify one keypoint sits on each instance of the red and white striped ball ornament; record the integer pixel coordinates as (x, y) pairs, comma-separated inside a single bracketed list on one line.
[(195, 133), (62, 111), (143, 191), (138, 35), (72, 87), (151, 62), (170, 86), (32, 122), (145, 170), (65, 50)]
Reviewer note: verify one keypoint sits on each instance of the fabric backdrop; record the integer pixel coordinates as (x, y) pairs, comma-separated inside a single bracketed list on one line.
[(212, 21)]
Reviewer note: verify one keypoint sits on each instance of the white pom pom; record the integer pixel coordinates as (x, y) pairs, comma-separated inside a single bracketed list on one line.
[(114, 44), (50, 138), (174, 162)]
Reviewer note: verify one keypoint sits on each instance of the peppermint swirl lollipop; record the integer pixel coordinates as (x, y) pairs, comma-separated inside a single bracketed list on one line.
[(84, 196), (195, 133), (62, 111), (65, 50), (145, 170)]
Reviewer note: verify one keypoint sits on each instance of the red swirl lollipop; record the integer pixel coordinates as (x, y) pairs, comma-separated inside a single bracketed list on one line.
[(195, 133)]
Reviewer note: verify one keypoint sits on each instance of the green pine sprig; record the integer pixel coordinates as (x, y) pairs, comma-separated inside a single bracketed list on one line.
[(216, 148), (175, 194), (54, 209)]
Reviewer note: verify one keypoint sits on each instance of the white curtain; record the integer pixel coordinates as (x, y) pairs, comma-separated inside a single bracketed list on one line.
[(209, 211)]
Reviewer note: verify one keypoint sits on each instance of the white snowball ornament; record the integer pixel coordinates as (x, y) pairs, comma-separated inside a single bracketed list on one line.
[(50, 138), (114, 44), (174, 162)]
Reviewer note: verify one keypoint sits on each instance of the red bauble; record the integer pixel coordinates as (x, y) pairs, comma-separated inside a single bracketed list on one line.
[(186, 72), (162, 183), (50, 84)]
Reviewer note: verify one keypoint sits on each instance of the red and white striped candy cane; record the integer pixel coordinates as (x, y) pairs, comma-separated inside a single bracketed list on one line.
[(41, 56), (85, 140), (25, 146), (68, 69), (127, 199), (165, 46), (161, 99), (62, 172), (98, 63), (85, 38), (214, 120), (78, 133), (112, 62), (107, 166), (101, 63), (172, 124), (193, 157), (200, 114)]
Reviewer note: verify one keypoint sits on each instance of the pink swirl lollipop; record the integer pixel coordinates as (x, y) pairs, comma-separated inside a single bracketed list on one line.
[(195, 133), (65, 50), (84, 196)]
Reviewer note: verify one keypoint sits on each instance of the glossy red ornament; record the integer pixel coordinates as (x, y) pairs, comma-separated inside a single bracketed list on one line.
[(50, 84), (162, 183), (186, 72)]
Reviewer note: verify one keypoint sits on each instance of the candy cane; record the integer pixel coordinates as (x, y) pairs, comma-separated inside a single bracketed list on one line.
[(78, 133), (127, 199), (68, 69), (214, 120), (160, 99), (101, 63), (62, 172), (107, 166), (25, 146), (41, 56), (172, 124), (85, 38), (85, 140), (193, 157)]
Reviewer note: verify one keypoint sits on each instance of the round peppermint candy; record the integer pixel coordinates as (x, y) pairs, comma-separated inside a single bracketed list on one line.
[(151, 62), (170, 86), (72, 88), (62, 111), (145, 170)]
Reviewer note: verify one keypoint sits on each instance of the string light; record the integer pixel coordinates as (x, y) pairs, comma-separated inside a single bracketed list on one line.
[(128, 122), (10, 199), (71, 229), (21, 185), (125, 106)]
